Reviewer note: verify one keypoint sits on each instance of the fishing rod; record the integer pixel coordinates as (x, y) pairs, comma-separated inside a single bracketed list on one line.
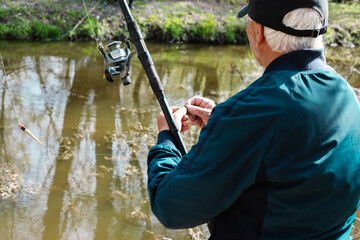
[(120, 59)]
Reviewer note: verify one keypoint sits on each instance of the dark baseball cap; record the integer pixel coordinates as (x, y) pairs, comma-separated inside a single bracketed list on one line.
[(271, 14)]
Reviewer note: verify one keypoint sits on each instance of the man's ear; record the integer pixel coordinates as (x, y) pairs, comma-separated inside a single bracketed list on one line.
[(259, 30)]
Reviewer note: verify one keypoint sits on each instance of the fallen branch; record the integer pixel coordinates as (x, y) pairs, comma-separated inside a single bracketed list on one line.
[(85, 16)]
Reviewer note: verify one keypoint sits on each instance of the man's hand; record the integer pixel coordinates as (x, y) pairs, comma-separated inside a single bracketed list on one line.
[(180, 118), (199, 110)]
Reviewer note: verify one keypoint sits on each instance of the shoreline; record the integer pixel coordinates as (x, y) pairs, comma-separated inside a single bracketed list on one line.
[(170, 22)]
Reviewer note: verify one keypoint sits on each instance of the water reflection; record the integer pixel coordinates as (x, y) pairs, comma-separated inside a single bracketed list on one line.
[(94, 187)]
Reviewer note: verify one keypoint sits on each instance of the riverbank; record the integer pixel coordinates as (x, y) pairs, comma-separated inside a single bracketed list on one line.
[(163, 21)]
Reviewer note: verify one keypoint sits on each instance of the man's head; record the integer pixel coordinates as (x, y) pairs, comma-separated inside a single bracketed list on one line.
[(286, 25)]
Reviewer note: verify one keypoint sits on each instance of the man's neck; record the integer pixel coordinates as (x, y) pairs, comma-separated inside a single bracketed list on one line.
[(269, 56)]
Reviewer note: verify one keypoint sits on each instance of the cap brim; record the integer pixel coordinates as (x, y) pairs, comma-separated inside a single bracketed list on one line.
[(243, 11)]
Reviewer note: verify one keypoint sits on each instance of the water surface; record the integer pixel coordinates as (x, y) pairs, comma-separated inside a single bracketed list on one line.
[(93, 183)]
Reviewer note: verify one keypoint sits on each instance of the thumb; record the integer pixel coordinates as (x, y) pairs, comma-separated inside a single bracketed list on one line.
[(178, 114)]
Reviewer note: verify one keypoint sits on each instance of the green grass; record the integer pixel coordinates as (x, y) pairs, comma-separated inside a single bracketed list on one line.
[(4, 14), (344, 22), (206, 27), (42, 31), (344, 13), (184, 24), (173, 27), (182, 21), (233, 28)]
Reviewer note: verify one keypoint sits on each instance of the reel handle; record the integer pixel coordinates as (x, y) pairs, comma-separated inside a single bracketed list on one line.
[(109, 72)]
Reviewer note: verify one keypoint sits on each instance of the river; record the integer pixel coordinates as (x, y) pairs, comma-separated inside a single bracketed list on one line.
[(91, 183)]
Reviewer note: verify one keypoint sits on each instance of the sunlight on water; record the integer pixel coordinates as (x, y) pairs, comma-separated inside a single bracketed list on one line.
[(94, 187)]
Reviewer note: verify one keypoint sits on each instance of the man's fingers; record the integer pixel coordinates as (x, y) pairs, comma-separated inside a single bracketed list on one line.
[(190, 101), (179, 111), (184, 126), (210, 104), (196, 101), (174, 108), (198, 111), (192, 111), (191, 116), (197, 122), (178, 114), (201, 102)]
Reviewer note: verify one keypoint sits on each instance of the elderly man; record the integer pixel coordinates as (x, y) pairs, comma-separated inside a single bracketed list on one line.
[(278, 160)]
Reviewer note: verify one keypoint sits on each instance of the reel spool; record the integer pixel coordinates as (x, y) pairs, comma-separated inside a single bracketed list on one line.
[(119, 58)]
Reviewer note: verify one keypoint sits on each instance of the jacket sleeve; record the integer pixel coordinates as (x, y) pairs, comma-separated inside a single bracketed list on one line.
[(190, 190)]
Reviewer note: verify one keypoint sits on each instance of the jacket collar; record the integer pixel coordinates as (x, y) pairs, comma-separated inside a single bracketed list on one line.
[(300, 60)]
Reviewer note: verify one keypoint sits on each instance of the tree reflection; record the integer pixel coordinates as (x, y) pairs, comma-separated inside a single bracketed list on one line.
[(105, 122), (52, 216), (2, 125)]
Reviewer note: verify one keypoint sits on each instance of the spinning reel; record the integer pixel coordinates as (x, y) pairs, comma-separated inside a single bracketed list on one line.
[(119, 58)]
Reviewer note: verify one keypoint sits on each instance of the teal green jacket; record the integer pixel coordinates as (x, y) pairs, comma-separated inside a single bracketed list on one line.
[(278, 160)]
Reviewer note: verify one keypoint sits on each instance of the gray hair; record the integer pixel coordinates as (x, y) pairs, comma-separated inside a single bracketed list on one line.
[(302, 18)]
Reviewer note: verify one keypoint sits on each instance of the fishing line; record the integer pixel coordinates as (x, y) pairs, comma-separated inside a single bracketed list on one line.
[(88, 16), (9, 88), (101, 33), (21, 126)]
